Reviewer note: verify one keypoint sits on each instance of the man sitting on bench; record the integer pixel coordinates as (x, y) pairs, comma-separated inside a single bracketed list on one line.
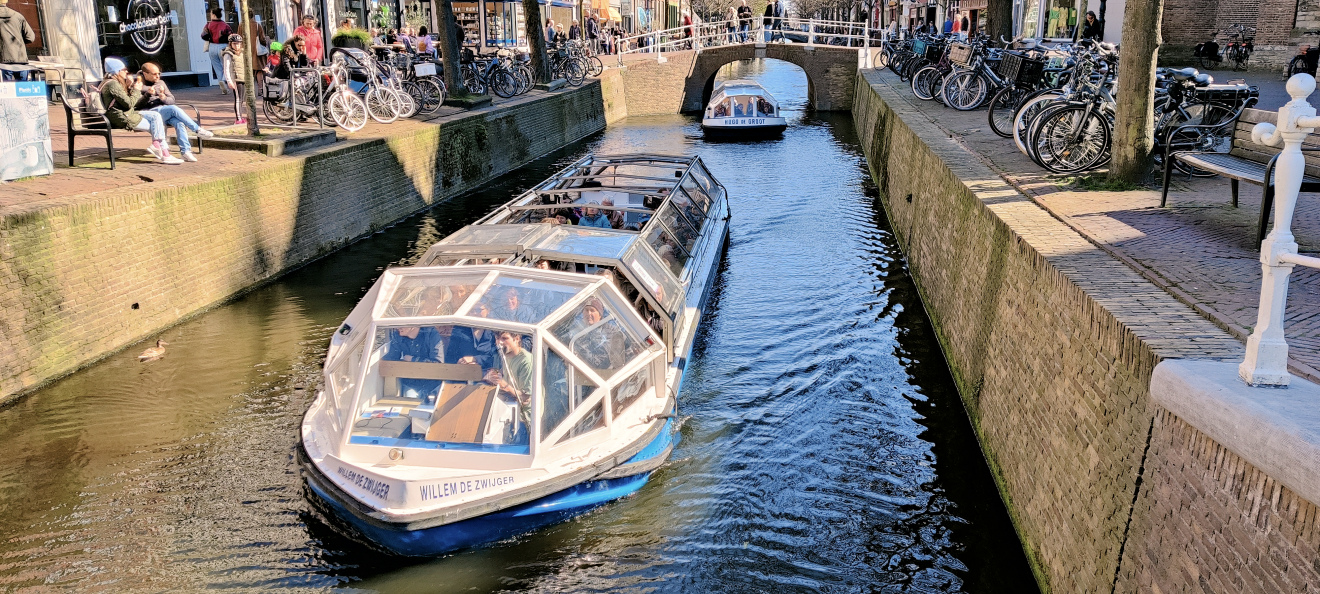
[(418, 345)]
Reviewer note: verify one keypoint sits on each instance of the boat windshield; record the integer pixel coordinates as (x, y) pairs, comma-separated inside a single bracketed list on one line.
[(739, 106), (452, 360)]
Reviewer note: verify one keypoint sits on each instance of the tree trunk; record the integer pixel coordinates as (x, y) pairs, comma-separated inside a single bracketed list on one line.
[(999, 19), (449, 48), (1134, 121), (249, 81), (536, 40)]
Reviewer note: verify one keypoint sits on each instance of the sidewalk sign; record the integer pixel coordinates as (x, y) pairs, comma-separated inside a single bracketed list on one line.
[(24, 131)]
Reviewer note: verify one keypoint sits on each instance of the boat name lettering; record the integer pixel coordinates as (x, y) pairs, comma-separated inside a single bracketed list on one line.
[(744, 122), (379, 489), (451, 488)]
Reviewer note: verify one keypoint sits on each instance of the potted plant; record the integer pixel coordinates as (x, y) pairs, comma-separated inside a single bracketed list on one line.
[(358, 38)]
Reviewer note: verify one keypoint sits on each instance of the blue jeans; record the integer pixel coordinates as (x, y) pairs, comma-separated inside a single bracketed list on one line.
[(171, 115), (217, 62), (152, 122), (742, 31)]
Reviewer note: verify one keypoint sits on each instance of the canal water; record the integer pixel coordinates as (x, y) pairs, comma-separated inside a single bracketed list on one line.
[(824, 448)]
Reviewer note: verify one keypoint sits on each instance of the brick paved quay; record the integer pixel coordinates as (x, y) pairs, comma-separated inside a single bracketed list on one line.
[(1200, 249), (134, 166)]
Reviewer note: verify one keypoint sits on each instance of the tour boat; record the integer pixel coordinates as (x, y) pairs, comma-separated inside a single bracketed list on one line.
[(526, 369), (742, 108)]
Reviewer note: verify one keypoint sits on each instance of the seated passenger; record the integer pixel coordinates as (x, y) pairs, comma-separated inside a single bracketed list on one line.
[(472, 346), (738, 109), (420, 345), (721, 111), (593, 217), (514, 310), (514, 378), (602, 346), (616, 216)]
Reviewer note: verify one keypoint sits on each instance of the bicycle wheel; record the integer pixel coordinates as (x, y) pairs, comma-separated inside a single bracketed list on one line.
[(347, 111), (1219, 139), (1002, 107), (575, 71), (503, 84), (472, 80), (407, 104), (965, 90), (597, 66), (881, 59), (430, 95), (1026, 114), (922, 82), (382, 105), (1295, 66), (279, 113), (1073, 138)]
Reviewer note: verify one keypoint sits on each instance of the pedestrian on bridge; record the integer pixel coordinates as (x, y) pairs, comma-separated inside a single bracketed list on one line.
[(775, 10), (744, 20), (731, 24)]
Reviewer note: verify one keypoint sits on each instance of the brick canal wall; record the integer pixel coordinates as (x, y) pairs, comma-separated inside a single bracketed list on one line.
[(1052, 344), (82, 280)]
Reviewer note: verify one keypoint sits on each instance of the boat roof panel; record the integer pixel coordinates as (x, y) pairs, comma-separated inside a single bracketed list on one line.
[(457, 292), (586, 241)]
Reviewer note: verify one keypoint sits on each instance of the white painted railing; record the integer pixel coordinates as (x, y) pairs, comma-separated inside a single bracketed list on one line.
[(706, 35), (1266, 363)]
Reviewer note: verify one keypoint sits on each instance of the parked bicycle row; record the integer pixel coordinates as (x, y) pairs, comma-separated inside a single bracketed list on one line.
[(1058, 103), (384, 84)]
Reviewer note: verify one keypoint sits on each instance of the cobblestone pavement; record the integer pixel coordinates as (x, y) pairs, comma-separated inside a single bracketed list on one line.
[(1200, 249), (135, 166)]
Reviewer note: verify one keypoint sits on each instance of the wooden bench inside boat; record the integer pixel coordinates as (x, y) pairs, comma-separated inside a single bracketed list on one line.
[(1245, 161), (393, 371)]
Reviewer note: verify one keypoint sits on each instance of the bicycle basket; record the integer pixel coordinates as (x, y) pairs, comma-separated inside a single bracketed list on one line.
[(276, 89), (934, 52), (1023, 71), (960, 54), (919, 47)]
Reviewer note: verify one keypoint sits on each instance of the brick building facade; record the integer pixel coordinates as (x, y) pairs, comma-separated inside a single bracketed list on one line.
[(1280, 26)]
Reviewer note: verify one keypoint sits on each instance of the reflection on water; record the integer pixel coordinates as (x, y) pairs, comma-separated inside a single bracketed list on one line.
[(825, 446)]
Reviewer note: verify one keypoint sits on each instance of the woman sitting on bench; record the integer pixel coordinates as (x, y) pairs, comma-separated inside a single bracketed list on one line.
[(120, 94)]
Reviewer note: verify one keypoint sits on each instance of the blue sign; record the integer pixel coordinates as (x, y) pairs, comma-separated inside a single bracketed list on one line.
[(30, 89)]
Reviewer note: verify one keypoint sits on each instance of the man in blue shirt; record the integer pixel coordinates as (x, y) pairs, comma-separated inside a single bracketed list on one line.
[(419, 345)]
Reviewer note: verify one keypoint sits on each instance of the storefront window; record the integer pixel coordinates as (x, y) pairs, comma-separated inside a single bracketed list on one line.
[(503, 24), (468, 18), (1060, 18), (1030, 18), (142, 31)]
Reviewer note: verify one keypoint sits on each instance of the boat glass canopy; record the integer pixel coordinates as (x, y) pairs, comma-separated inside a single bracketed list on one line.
[(491, 358)]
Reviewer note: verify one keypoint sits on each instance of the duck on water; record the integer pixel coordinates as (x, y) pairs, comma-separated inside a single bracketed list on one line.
[(527, 369)]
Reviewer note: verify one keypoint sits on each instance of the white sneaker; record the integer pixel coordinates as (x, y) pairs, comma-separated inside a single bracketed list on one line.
[(156, 152), (204, 133), (188, 156), (171, 160)]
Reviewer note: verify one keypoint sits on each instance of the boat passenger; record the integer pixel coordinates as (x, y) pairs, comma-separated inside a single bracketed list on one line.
[(419, 345), (738, 110), (593, 217), (616, 216), (472, 346), (721, 111), (602, 346), (514, 310), (515, 374)]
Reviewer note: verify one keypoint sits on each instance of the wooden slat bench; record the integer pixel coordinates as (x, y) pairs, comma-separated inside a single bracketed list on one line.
[(1245, 161), (85, 116)]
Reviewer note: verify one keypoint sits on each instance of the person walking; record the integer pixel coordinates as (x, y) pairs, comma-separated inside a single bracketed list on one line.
[(777, 23), (744, 20), (315, 43), (15, 34), (258, 48), (235, 61), (593, 32), (768, 19), (216, 36)]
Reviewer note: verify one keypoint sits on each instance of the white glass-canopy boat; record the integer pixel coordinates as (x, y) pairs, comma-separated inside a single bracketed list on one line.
[(525, 370), (742, 108)]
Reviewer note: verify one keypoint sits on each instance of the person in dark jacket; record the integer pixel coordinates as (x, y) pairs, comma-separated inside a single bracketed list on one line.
[(778, 24), (1092, 28), (15, 34), (575, 31), (593, 33), (216, 35), (744, 20), (472, 345), (120, 94)]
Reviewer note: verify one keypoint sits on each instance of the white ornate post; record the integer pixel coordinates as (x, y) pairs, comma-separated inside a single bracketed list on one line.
[(866, 42), (811, 38), (1266, 363)]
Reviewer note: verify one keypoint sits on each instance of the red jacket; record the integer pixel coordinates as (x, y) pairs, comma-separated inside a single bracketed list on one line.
[(315, 45), (219, 31)]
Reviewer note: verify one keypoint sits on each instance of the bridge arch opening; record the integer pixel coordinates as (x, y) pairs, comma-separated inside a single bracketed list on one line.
[(788, 82), (829, 73)]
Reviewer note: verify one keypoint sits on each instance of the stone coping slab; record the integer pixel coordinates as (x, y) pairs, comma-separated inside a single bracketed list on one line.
[(286, 140), (1276, 430)]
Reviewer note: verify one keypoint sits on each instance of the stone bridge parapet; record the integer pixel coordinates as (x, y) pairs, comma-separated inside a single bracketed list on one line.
[(684, 80)]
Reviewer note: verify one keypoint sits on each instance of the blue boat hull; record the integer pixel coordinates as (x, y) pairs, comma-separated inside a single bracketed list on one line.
[(481, 530)]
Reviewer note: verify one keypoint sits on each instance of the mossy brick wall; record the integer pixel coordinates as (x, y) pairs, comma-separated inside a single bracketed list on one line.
[(1052, 343), (70, 275)]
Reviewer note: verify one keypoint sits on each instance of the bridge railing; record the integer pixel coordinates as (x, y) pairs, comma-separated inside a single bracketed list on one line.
[(706, 35)]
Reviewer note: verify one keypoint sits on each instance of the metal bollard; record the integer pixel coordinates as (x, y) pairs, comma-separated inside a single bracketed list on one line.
[(1266, 363)]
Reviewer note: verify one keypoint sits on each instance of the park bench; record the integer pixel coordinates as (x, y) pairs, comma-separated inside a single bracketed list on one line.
[(85, 116), (1245, 161)]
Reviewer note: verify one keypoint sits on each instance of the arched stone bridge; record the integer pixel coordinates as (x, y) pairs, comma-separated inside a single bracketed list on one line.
[(683, 82)]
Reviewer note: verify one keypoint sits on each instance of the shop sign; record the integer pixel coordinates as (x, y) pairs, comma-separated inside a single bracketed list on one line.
[(138, 31), (25, 148)]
